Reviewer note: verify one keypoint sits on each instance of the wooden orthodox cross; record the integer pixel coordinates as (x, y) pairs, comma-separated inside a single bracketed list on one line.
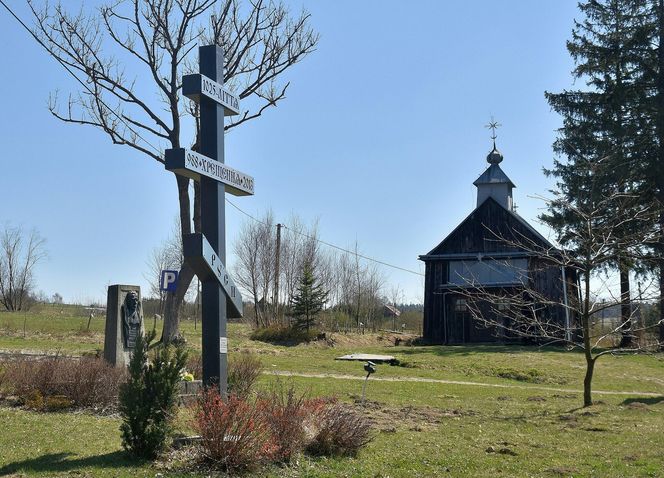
[(206, 251)]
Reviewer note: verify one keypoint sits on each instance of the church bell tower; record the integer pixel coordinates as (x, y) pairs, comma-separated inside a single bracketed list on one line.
[(493, 182)]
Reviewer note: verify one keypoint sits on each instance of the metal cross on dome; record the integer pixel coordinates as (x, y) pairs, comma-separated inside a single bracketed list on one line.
[(493, 126)]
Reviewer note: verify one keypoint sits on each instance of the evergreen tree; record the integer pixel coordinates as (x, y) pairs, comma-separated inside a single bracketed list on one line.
[(653, 124), (309, 299), (148, 399), (603, 133)]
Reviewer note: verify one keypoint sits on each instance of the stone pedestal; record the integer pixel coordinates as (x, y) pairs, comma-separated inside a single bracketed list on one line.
[(124, 321)]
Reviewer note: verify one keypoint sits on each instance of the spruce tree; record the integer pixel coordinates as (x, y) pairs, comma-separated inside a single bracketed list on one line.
[(148, 400), (309, 299), (653, 125), (603, 131)]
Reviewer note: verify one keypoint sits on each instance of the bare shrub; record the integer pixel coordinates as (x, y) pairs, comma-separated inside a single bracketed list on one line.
[(243, 371), (29, 378), (233, 434), (92, 382), (285, 412), (85, 382), (341, 432), (240, 434)]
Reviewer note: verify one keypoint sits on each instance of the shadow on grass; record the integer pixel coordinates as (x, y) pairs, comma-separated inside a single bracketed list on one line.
[(646, 400), (524, 417), (469, 350), (62, 462)]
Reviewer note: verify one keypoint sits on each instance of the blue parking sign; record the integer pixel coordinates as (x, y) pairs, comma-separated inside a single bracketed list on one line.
[(169, 281)]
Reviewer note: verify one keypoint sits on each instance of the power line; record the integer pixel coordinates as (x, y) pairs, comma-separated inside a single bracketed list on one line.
[(334, 246), (66, 67)]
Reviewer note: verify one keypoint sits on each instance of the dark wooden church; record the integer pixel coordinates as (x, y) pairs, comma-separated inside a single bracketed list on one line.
[(475, 256)]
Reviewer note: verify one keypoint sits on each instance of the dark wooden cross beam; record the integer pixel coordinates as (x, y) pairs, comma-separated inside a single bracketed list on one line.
[(204, 260), (206, 252), (193, 165)]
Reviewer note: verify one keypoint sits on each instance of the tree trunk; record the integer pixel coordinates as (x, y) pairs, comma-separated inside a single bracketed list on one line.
[(254, 292), (660, 163), (587, 347), (627, 336), (661, 274), (588, 379), (173, 305), (590, 361), (171, 328)]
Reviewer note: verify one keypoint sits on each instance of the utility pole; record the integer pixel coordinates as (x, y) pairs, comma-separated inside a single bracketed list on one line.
[(275, 295)]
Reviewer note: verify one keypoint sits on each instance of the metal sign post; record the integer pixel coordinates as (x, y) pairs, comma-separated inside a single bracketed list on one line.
[(206, 251)]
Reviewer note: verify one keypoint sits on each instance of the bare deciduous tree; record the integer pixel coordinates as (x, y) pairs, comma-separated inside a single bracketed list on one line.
[(353, 287), (299, 246), (129, 53), (19, 255), (374, 281), (345, 283), (167, 256), (254, 269), (255, 251), (395, 298), (588, 248)]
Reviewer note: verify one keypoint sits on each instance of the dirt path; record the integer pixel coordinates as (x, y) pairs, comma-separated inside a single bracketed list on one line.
[(283, 373)]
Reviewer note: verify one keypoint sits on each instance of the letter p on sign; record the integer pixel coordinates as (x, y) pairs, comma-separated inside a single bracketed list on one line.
[(169, 281)]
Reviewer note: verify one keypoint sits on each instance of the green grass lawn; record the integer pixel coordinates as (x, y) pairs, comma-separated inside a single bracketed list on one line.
[(421, 428)]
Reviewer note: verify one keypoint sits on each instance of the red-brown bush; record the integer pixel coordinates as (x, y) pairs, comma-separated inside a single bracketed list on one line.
[(85, 382), (240, 434), (233, 432), (287, 416)]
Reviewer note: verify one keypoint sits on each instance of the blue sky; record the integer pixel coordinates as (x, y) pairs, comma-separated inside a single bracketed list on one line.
[(379, 139)]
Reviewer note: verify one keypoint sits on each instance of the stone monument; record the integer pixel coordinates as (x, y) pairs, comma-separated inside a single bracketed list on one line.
[(124, 321)]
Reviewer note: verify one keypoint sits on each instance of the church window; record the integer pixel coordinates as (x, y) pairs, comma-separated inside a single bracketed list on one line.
[(489, 272), (460, 305)]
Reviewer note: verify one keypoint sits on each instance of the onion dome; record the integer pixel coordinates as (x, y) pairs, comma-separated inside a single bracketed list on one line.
[(495, 156)]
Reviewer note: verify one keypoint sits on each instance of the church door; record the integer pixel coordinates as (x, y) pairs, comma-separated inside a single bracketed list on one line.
[(460, 324)]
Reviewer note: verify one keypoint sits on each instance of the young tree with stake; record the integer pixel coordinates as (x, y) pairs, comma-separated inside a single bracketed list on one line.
[(591, 233)]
